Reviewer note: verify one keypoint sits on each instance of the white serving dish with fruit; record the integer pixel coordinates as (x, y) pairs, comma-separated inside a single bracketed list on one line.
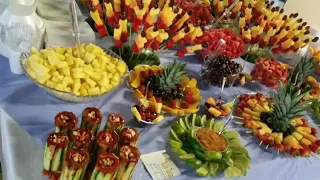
[(62, 73)]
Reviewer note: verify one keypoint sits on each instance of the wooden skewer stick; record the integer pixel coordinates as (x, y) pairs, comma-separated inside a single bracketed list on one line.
[(278, 151), (309, 160), (249, 132), (238, 117), (314, 156), (267, 146), (260, 143), (240, 123)]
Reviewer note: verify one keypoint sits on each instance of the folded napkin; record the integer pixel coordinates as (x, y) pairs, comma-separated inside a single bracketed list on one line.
[(59, 33), (20, 154)]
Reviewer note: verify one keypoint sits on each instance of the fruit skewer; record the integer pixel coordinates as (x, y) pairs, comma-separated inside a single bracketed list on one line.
[(115, 122), (91, 119), (129, 136), (129, 157), (106, 167), (75, 165), (82, 139), (55, 149), (107, 141), (65, 122)]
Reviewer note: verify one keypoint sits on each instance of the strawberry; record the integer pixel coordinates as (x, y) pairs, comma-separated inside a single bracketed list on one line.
[(303, 152), (173, 104), (143, 116), (158, 100), (317, 142), (142, 89), (152, 109), (304, 122), (144, 74), (142, 109), (153, 116), (184, 105), (188, 92), (314, 131), (239, 111), (189, 99), (149, 94), (314, 148), (295, 152)]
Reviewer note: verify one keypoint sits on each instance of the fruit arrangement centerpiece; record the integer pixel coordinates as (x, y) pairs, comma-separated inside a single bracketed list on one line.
[(157, 25), (168, 85), (206, 147), (315, 53), (148, 112), (219, 70), (85, 153), (74, 74), (270, 72), (314, 93), (254, 53), (277, 121), (234, 46)]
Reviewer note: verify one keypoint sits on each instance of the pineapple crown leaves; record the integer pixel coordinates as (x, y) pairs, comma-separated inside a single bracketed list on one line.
[(287, 106), (304, 68), (171, 76)]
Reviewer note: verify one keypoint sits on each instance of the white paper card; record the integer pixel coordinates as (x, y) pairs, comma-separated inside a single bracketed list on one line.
[(161, 169)]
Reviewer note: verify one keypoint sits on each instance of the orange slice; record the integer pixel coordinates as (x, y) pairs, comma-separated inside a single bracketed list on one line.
[(192, 83), (135, 83), (137, 94), (184, 81), (191, 110), (181, 112)]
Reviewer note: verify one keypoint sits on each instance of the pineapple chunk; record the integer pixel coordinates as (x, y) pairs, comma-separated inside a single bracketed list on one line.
[(79, 75), (32, 73), (266, 107), (62, 64), (86, 86), (96, 64), (290, 142), (88, 57), (83, 91), (60, 56), (66, 80), (59, 50), (40, 69), (79, 62), (279, 138), (114, 60), (76, 87), (36, 58), (116, 77), (256, 114), (69, 51), (35, 51), (121, 67), (67, 89), (70, 60), (215, 112), (104, 59), (305, 142), (77, 70), (248, 111), (94, 91), (252, 103), (53, 60), (102, 90), (43, 79), (297, 136), (59, 87), (266, 129), (104, 81), (114, 83), (66, 71), (51, 84), (304, 129), (110, 69), (91, 82)]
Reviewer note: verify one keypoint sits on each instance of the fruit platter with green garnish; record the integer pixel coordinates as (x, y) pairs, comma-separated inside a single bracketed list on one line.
[(205, 146)]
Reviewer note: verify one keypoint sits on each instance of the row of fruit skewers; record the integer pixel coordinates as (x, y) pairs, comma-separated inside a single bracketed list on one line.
[(72, 153), (274, 29), (154, 22), (302, 141)]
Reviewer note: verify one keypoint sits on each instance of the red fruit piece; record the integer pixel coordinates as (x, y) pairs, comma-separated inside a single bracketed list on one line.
[(317, 142), (184, 105), (173, 104), (239, 111), (142, 89), (314, 131), (153, 116), (314, 148), (152, 109), (304, 152), (143, 116), (187, 92), (189, 99), (149, 94), (295, 152), (158, 100)]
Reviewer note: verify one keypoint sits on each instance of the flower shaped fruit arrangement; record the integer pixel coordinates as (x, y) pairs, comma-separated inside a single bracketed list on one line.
[(314, 84), (73, 153), (217, 109), (278, 122), (270, 72), (93, 73), (168, 85), (202, 15), (199, 142), (234, 46)]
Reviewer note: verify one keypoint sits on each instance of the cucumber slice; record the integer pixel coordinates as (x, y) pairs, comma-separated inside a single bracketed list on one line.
[(178, 129), (187, 122), (242, 159), (174, 143), (181, 123), (236, 172), (187, 156), (193, 122), (228, 173), (127, 173), (56, 161), (195, 163), (174, 135), (213, 167), (239, 150), (203, 121), (179, 151), (203, 170), (240, 167), (78, 174)]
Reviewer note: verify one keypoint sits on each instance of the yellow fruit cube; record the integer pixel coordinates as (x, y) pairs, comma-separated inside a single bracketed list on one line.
[(32, 73), (110, 69), (114, 60), (59, 50), (305, 142), (51, 84), (121, 67), (70, 61), (69, 51), (88, 67), (290, 142), (83, 91), (59, 87), (103, 66), (79, 75), (66, 71), (88, 57), (86, 85), (102, 90), (76, 87), (104, 59), (36, 58), (79, 62), (297, 136), (267, 129), (116, 77), (91, 82), (94, 91), (104, 81), (76, 70), (67, 89), (62, 64), (215, 112), (53, 60), (114, 83), (35, 51), (76, 80), (96, 76), (40, 69), (61, 57), (55, 79), (96, 64), (65, 82), (43, 79), (136, 82)]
